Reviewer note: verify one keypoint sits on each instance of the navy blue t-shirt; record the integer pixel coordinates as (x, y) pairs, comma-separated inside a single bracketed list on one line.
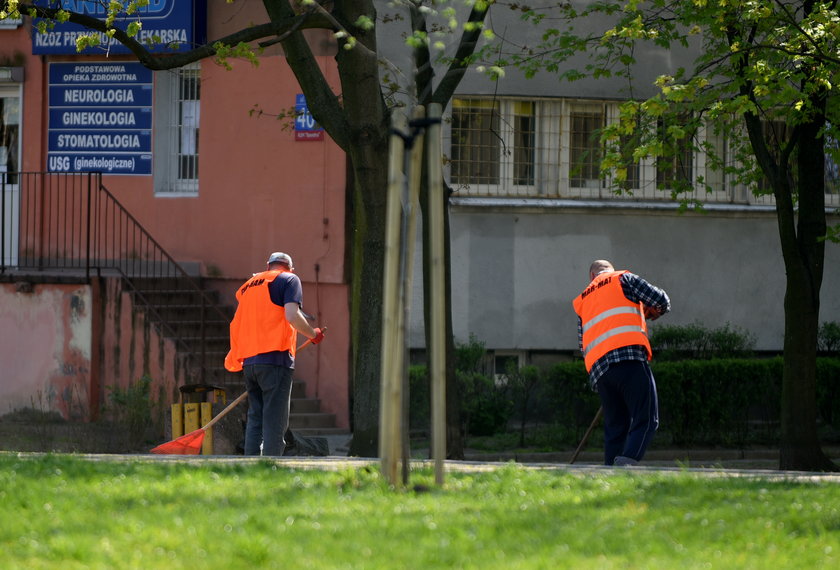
[(285, 288)]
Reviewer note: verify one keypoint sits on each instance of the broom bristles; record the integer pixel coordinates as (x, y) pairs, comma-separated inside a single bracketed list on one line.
[(188, 444)]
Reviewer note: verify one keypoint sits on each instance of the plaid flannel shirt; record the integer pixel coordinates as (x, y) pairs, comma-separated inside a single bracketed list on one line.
[(636, 289)]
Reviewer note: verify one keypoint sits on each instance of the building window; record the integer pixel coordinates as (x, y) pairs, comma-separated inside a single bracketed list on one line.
[(9, 137), (551, 148), (177, 119), (505, 363), (675, 170), (832, 166), (585, 126), (524, 137), (476, 142)]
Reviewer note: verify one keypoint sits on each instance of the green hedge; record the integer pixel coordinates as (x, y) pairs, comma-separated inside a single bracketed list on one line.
[(727, 402)]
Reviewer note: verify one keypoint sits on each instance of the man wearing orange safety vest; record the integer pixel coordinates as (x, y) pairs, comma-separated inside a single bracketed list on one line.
[(613, 338), (263, 338)]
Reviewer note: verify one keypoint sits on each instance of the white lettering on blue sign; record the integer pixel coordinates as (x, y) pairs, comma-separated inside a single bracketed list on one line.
[(99, 96), (87, 141), (98, 118), (97, 7), (304, 121)]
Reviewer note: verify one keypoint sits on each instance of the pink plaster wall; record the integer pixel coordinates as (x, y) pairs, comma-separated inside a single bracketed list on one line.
[(131, 348), (259, 191), (45, 349), (51, 335)]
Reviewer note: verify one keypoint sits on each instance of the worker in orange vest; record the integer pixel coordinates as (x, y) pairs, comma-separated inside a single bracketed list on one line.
[(612, 332), (263, 338)]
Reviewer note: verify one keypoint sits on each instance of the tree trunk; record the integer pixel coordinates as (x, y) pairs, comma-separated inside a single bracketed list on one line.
[(368, 122), (368, 250), (804, 254), (800, 447)]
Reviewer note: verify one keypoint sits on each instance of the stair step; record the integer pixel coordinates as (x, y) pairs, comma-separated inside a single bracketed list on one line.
[(318, 420), (321, 431), (305, 406), (184, 312)]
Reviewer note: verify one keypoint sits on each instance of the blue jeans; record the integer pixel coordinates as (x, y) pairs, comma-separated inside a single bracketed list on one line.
[(631, 409), (269, 398)]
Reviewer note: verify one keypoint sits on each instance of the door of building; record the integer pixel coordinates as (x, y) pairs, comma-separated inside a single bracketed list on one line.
[(9, 168)]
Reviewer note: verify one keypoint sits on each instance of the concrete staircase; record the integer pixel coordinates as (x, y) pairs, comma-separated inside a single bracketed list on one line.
[(176, 309)]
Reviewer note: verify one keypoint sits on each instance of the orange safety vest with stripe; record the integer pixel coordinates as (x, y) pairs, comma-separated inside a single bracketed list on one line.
[(610, 320), (259, 325)]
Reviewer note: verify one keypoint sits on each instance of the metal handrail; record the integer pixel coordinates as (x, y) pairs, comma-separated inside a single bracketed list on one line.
[(70, 222)]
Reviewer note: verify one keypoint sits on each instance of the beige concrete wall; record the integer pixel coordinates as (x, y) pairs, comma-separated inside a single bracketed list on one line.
[(516, 269)]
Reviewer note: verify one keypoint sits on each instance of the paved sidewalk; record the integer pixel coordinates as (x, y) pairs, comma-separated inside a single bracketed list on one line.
[(335, 463)]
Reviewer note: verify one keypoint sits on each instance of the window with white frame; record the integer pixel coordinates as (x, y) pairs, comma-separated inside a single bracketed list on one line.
[(177, 119), (493, 146), (585, 125), (476, 142), (675, 169), (832, 167), (552, 148), (524, 133), (632, 167), (505, 362)]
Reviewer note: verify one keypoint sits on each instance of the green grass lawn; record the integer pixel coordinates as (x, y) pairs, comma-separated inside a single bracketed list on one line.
[(70, 512)]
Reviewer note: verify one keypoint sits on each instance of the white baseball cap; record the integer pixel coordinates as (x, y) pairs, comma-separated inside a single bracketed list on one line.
[(280, 257)]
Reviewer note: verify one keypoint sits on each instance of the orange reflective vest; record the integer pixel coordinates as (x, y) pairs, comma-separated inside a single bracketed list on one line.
[(259, 325), (610, 320)]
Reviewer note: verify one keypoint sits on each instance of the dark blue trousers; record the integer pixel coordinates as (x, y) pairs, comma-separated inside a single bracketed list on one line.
[(269, 398), (631, 409)]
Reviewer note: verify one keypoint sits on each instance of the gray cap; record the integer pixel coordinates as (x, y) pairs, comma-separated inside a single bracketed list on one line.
[(280, 257)]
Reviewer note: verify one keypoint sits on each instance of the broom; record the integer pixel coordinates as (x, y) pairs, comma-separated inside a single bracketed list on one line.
[(190, 444), (587, 434)]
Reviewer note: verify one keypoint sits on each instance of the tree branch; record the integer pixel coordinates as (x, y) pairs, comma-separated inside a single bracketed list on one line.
[(159, 62), (323, 103), (459, 65)]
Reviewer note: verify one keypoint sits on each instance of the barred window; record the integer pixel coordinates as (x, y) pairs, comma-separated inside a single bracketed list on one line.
[(832, 166), (551, 148), (676, 168), (177, 119), (585, 147), (476, 141), (524, 136), (632, 166)]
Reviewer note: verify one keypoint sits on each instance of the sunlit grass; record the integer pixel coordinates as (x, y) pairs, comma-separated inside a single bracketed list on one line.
[(69, 512)]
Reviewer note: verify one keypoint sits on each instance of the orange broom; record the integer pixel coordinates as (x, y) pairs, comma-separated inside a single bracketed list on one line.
[(190, 444)]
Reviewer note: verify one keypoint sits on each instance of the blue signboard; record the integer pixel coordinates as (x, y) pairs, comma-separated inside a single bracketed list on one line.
[(100, 118), (167, 27), (306, 129)]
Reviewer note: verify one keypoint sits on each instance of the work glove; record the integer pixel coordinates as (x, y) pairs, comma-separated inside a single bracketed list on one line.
[(651, 314), (319, 336)]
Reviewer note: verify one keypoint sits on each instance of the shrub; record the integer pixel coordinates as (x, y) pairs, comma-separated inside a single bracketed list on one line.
[(131, 411), (694, 341), (828, 338), (486, 408), (828, 390), (729, 402), (419, 402)]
